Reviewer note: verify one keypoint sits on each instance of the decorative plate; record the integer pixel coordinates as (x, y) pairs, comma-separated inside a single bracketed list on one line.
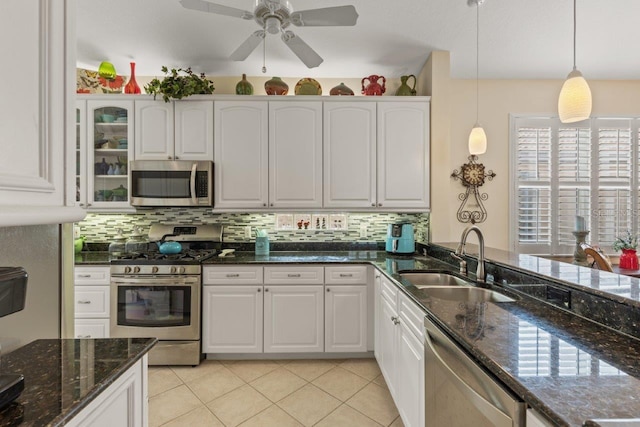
[(308, 86)]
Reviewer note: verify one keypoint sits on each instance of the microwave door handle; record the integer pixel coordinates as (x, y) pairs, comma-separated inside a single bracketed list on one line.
[(194, 196)]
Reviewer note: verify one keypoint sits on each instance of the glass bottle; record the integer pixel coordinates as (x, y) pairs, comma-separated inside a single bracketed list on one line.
[(138, 243), (117, 245)]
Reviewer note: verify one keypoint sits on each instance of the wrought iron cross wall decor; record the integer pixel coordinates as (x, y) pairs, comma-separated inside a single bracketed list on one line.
[(472, 175)]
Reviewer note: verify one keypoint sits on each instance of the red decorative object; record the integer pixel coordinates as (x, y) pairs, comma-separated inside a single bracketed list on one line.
[(276, 86), (629, 259), (374, 88), (132, 85)]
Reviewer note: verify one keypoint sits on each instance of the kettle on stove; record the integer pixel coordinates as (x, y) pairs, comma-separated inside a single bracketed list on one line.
[(400, 238)]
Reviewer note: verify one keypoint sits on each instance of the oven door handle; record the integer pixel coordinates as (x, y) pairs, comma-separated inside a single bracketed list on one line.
[(147, 281), (194, 170)]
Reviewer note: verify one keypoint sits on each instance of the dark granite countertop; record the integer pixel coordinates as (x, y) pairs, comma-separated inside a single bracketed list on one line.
[(92, 258), (566, 367), (63, 376)]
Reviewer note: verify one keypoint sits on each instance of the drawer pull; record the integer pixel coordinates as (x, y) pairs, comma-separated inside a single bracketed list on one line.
[(346, 275), (395, 320), (83, 336), (84, 276), (294, 275), (259, 290), (233, 275), (84, 302)]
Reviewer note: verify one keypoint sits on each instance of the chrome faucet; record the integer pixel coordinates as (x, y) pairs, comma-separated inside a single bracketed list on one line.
[(480, 273)]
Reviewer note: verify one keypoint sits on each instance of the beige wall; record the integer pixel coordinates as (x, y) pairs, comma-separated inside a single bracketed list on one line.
[(498, 99)]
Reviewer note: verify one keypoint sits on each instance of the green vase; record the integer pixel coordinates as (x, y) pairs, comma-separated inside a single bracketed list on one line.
[(405, 89), (244, 87)]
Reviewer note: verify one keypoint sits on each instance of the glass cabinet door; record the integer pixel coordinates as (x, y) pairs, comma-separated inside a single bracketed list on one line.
[(81, 153), (110, 132)]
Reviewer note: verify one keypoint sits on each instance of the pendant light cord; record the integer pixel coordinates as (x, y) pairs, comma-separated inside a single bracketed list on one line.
[(574, 34), (478, 59)]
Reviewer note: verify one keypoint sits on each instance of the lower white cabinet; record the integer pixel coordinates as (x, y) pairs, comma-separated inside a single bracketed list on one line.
[(399, 350), (284, 309), (233, 319), (91, 302), (124, 403), (345, 318), (293, 318)]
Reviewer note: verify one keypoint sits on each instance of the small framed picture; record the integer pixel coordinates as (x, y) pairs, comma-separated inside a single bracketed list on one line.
[(302, 222), (338, 222), (320, 222), (284, 221)]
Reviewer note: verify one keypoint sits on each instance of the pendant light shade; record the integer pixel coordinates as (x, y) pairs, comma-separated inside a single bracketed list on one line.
[(477, 140), (477, 137), (574, 102)]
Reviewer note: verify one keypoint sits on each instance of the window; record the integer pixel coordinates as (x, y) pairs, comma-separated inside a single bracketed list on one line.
[(560, 171)]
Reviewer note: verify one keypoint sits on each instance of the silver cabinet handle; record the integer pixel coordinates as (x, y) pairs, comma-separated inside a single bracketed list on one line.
[(233, 275), (84, 302), (293, 275), (346, 275), (395, 320), (83, 336), (84, 275)]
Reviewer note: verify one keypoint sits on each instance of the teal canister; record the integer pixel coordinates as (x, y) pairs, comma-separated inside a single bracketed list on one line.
[(262, 246)]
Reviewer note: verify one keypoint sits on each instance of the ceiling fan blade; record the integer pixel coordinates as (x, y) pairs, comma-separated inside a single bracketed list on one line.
[(205, 6), (328, 16), (248, 46), (302, 50)]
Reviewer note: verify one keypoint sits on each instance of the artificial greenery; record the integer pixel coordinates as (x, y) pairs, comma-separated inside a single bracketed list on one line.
[(628, 241), (178, 86)]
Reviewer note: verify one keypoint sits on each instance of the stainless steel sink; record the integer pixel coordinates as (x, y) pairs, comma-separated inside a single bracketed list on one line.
[(466, 294), (423, 279)]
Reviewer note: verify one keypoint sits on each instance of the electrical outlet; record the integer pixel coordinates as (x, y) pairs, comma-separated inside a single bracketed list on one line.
[(247, 232), (363, 230)]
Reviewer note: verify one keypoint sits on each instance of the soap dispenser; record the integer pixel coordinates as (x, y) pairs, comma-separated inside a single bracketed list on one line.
[(117, 246)]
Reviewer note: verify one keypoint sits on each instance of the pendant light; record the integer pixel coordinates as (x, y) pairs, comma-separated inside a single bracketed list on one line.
[(574, 102), (477, 137)]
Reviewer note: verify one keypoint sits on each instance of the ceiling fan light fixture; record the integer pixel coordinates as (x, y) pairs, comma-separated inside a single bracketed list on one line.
[(272, 25), (574, 101)]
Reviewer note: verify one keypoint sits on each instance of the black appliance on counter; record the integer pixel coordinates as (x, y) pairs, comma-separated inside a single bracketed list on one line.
[(13, 293)]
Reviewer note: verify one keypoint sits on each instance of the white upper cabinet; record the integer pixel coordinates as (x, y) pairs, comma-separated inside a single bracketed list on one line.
[(180, 130), (240, 154), (193, 130), (295, 154), (37, 114), (403, 155), (154, 130), (349, 154)]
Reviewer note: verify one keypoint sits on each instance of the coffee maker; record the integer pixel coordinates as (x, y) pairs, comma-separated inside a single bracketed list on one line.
[(400, 238)]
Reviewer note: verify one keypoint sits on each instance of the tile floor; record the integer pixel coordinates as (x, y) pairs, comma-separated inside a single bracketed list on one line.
[(265, 393)]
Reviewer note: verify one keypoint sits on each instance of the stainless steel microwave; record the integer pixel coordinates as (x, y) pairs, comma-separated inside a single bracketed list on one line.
[(171, 183)]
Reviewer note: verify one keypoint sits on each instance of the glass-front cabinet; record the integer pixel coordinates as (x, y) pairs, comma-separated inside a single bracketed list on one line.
[(103, 154)]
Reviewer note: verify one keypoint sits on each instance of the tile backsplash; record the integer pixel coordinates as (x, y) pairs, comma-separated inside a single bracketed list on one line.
[(100, 228)]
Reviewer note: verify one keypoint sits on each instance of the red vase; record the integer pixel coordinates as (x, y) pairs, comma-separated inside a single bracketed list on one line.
[(132, 85), (629, 259)]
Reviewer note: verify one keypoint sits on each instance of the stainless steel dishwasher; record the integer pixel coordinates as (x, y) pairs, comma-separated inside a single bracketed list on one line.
[(459, 393)]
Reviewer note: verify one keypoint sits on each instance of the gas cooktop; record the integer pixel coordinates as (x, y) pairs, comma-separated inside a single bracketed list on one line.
[(189, 256)]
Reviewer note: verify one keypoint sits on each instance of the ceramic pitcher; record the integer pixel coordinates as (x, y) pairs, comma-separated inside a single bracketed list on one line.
[(374, 88), (405, 89)]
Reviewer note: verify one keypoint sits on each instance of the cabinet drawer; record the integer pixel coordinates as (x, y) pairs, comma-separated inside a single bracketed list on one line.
[(411, 315), (388, 290), (92, 301), (92, 328), (352, 275), (232, 275), (294, 275), (91, 275)]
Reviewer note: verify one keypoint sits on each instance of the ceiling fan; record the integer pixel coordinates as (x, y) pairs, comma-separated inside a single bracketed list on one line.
[(275, 16)]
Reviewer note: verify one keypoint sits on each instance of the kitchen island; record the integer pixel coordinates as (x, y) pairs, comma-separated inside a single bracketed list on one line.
[(66, 379), (572, 360)]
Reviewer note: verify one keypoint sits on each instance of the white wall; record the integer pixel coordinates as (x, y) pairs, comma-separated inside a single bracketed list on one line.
[(498, 98)]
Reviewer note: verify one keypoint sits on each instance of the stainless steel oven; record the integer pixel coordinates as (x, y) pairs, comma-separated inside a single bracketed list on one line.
[(161, 301)]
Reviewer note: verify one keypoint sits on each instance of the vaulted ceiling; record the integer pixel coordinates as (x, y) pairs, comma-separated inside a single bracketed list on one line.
[(529, 39)]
